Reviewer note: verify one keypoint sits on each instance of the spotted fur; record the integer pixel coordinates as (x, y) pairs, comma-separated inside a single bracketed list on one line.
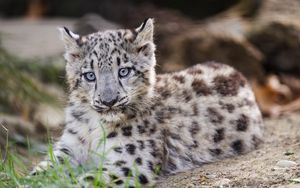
[(171, 122)]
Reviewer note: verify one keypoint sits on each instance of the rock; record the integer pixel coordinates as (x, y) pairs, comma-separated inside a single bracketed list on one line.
[(51, 117), (190, 185), (201, 45), (285, 164), (16, 130), (26, 37), (279, 41), (222, 182), (91, 23), (275, 33)]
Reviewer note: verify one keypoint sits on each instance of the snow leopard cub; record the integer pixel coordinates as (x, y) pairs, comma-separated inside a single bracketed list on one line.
[(174, 121)]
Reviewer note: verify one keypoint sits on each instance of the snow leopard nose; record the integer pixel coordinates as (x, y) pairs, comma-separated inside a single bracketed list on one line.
[(109, 102)]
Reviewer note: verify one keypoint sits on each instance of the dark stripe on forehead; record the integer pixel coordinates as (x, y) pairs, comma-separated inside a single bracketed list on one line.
[(95, 53), (118, 61), (125, 58), (92, 64)]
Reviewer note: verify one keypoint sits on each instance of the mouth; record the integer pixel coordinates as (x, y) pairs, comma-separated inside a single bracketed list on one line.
[(111, 110)]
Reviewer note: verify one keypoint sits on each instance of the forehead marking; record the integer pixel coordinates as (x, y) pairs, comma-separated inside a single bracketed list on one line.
[(118, 61), (92, 64)]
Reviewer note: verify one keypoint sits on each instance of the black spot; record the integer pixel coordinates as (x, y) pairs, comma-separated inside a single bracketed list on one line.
[(195, 128), (130, 148), (141, 144), (131, 116), (194, 145), (152, 143), (116, 179), (256, 141), (118, 61), (229, 85), (150, 165), (89, 178), (92, 64), (194, 71), (118, 149), (215, 152), (152, 129), (214, 116), (179, 78), (242, 123), (77, 115), (127, 130), (76, 85), (195, 110), (146, 122), (81, 140), (164, 92), (229, 107), (119, 34), (70, 103), (126, 171), (201, 88), (186, 95), (112, 134), (237, 146), (103, 169), (160, 116), (143, 179), (120, 163), (65, 151), (175, 136), (84, 100), (139, 161), (141, 129), (219, 135), (71, 131), (60, 159)]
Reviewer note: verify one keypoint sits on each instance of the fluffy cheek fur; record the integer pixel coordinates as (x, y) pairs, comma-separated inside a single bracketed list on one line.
[(137, 88)]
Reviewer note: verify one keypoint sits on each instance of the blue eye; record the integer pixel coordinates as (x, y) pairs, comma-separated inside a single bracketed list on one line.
[(89, 76), (123, 72)]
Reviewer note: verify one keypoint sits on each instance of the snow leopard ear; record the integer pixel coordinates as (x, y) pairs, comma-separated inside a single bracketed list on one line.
[(144, 38), (72, 43), (145, 31)]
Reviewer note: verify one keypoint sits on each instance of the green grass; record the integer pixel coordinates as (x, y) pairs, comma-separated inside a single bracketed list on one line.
[(15, 170)]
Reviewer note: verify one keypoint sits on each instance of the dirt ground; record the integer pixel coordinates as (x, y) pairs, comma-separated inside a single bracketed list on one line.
[(255, 169)]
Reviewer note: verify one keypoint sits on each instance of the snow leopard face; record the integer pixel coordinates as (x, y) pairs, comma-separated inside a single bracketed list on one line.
[(111, 71)]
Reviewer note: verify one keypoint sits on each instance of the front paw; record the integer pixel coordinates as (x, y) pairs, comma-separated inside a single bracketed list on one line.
[(41, 168)]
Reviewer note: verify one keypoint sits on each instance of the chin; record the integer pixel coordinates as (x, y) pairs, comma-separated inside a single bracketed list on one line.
[(112, 117)]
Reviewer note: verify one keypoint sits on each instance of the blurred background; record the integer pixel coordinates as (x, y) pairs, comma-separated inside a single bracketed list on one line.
[(261, 38)]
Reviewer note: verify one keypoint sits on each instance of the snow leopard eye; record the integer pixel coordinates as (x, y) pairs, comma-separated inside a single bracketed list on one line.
[(123, 72), (89, 76)]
